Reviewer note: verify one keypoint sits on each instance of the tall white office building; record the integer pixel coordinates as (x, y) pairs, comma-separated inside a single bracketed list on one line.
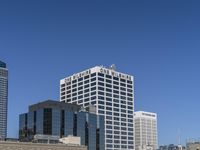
[(145, 130), (112, 93)]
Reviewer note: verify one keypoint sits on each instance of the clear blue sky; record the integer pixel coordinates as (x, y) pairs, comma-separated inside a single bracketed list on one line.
[(156, 41)]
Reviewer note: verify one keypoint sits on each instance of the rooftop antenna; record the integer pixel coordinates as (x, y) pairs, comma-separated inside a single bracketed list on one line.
[(113, 67), (179, 136)]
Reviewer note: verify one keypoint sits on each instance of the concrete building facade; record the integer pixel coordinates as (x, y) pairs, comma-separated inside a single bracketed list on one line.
[(112, 93), (145, 130)]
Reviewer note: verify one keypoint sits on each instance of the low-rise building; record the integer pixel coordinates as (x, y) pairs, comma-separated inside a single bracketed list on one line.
[(4, 145), (194, 145), (73, 140), (54, 118)]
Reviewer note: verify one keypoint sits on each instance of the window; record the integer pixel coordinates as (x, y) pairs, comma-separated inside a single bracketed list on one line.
[(116, 83), (93, 74), (80, 88), (80, 79), (101, 97), (108, 99), (100, 93), (74, 94), (109, 127), (101, 112), (116, 105), (101, 79), (101, 107), (93, 88), (108, 85), (86, 86), (74, 81), (108, 76), (93, 98), (100, 83), (122, 80), (108, 90), (80, 92), (80, 83), (101, 88), (115, 91), (109, 108), (87, 90), (81, 96), (109, 113), (101, 102), (130, 94), (94, 83), (108, 81), (74, 85), (86, 77), (93, 93), (73, 90), (93, 79), (129, 86), (130, 82), (108, 94), (86, 95), (93, 102), (100, 74), (86, 81), (115, 78), (122, 84)]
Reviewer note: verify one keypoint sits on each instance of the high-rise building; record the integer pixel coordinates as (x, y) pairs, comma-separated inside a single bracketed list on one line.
[(145, 130), (3, 100), (61, 119), (112, 93)]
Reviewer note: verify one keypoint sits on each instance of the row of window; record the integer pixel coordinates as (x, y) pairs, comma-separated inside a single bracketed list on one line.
[(104, 76), (118, 137), (101, 91), (108, 86), (118, 132), (117, 146), (118, 123), (107, 98), (118, 141)]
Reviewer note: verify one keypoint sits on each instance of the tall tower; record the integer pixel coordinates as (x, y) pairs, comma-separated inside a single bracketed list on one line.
[(3, 100), (145, 130), (112, 93)]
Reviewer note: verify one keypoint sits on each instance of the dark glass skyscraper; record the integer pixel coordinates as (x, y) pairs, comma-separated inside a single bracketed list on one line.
[(62, 119), (3, 100)]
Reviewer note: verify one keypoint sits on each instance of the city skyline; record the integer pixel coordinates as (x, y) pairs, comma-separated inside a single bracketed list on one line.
[(156, 42)]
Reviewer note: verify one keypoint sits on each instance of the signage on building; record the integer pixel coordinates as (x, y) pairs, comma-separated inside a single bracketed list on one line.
[(102, 70)]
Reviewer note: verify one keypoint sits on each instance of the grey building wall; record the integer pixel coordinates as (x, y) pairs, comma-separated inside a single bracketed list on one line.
[(101, 126), (3, 99), (39, 121), (56, 122), (92, 126), (69, 123), (81, 126)]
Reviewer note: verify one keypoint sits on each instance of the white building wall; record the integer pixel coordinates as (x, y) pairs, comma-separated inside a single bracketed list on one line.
[(145, 130), (112, 93)]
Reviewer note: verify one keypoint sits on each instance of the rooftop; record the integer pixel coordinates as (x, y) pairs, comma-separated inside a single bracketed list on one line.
[(2, 64), (54, 104)]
